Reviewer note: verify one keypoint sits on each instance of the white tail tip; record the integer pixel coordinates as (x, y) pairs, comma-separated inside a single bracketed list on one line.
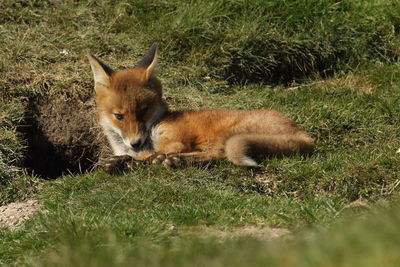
[(249, 162)]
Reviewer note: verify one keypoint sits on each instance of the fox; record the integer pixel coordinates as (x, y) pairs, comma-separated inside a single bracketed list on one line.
[(141, 128)]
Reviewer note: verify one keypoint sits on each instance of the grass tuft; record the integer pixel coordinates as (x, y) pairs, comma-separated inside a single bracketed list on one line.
[(11, 146)]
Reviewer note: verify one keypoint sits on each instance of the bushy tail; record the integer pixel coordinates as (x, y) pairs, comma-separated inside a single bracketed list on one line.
[(246, 149)]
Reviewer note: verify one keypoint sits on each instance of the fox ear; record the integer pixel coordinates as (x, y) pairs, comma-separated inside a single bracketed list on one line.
[(101, 71), (149, 61)]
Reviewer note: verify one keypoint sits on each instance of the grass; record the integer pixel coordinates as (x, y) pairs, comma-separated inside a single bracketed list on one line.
[(98, 220), (331, 66), (14, 183), (10, 144)]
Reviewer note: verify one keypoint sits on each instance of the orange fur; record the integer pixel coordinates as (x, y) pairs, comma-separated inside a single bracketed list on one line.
[(147, 126)]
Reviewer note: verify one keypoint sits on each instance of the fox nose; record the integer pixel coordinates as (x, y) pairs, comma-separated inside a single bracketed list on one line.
[(135, 144)]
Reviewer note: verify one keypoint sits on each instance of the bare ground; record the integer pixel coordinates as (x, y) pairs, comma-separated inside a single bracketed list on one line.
[(13, 214), (258, 232), (253, 231)]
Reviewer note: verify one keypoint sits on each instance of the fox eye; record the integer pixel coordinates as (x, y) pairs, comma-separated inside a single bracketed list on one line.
[(118, 116)]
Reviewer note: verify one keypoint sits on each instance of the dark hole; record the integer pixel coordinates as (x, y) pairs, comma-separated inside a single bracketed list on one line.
[(48, 160)]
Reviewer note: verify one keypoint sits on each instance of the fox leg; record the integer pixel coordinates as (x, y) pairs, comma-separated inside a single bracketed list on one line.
[(245, 149), (175, 159), (115, 164), (170, 155), (242, 149)]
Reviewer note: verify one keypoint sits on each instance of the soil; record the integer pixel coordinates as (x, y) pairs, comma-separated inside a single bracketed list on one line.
[(253, 231), (258, 232), (13, 214), (63, 136)]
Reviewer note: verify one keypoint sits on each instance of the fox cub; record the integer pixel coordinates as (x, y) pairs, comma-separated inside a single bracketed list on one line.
[(140, 127)]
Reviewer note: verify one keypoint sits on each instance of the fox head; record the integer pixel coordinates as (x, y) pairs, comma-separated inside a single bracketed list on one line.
[(129, 101)]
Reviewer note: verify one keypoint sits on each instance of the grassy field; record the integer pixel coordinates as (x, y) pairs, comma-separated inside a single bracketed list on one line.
[(331, 66)]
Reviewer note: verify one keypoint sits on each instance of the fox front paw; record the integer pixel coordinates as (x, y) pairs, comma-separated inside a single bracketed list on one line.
[(168, 161), (117, 164)]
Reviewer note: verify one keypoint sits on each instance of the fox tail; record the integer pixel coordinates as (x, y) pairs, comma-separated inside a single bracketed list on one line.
[(247, 149)]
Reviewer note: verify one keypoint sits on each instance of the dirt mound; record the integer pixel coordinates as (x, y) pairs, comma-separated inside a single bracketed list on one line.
[(62, 135), (14, 214)]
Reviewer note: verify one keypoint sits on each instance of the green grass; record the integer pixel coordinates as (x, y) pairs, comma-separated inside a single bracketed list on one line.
[(331, 66), (238, 41), (14, 183), (158, 217), (10, 145)]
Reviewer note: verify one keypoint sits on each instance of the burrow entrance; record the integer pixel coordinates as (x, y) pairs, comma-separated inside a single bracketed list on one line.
[(62, 136)]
